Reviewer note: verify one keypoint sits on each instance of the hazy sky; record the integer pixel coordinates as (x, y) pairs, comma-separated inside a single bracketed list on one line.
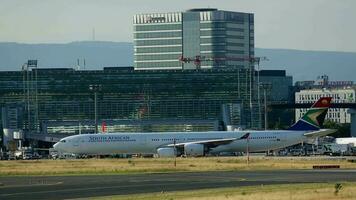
[(293, 24)]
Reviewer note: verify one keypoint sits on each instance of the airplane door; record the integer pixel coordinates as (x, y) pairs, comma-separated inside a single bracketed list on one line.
[(281, 138), (143, 140), (142, 143)]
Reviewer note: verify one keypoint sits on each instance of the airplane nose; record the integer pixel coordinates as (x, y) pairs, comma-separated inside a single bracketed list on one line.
[(56, 146)]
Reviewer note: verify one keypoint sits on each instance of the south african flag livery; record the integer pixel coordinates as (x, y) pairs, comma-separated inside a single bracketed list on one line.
[(314, 118)]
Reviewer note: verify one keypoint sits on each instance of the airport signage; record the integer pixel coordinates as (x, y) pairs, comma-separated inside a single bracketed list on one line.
[(155, 19)]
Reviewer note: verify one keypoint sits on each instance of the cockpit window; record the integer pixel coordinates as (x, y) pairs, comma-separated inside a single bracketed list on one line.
[(63, 141)]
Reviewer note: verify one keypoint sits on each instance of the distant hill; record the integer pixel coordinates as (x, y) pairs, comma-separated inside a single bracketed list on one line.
[(307, 65), (302, 65), (96, 54)]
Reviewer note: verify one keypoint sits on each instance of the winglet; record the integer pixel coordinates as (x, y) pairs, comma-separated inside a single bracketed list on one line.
[(244, 136)]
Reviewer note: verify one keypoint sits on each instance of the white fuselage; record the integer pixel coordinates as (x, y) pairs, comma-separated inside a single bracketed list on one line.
[(148, 143)]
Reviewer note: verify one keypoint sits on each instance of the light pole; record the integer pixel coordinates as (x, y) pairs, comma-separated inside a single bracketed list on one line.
[(266, 88), (26, 92), (30, 88), (257, 61), (175, 153), (248, 149), (259, 97), (265, 102), (95, 89)]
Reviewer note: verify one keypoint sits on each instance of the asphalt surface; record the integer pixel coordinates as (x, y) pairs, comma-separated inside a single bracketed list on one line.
[(67, 187)]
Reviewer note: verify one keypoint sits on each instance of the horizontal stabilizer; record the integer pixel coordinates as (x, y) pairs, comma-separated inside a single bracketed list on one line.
[(320, 133)]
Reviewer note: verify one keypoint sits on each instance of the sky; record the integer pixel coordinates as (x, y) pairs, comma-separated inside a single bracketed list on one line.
[(287, 24)]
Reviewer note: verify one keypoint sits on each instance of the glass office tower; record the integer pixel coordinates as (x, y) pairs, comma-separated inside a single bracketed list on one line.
[(219, 38)]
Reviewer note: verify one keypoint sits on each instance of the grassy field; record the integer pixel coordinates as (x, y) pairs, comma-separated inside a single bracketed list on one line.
[(152, 165), (325, 191)]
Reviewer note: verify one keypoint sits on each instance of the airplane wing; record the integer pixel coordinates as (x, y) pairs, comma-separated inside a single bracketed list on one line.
[(320, 133), (211, 143)]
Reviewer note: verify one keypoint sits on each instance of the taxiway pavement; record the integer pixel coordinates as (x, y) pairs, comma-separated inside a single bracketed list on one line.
[(66, 187)]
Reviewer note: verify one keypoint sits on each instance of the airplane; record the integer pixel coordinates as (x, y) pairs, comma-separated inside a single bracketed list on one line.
[(347, 140), (171, 144)]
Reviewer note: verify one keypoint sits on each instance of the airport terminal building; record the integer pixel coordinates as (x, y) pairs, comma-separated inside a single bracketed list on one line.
[(126, 95)]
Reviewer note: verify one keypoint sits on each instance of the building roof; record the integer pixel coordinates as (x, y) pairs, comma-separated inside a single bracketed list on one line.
[(272, 73), (202, 9)]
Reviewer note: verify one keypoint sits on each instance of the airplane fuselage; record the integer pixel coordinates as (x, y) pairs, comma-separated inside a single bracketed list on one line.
[(148, 143)]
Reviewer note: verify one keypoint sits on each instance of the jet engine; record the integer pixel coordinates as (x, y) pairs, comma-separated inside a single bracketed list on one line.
[(194, 149), (166, 152)]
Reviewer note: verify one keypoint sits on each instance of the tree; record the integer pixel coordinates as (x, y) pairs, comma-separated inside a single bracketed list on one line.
[(343, 130)]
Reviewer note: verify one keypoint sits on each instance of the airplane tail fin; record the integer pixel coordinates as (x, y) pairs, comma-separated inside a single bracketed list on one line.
[(314, 118)]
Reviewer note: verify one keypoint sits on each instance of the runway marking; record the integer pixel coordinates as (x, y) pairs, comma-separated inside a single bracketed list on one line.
[(96, 188), (31, 185)]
